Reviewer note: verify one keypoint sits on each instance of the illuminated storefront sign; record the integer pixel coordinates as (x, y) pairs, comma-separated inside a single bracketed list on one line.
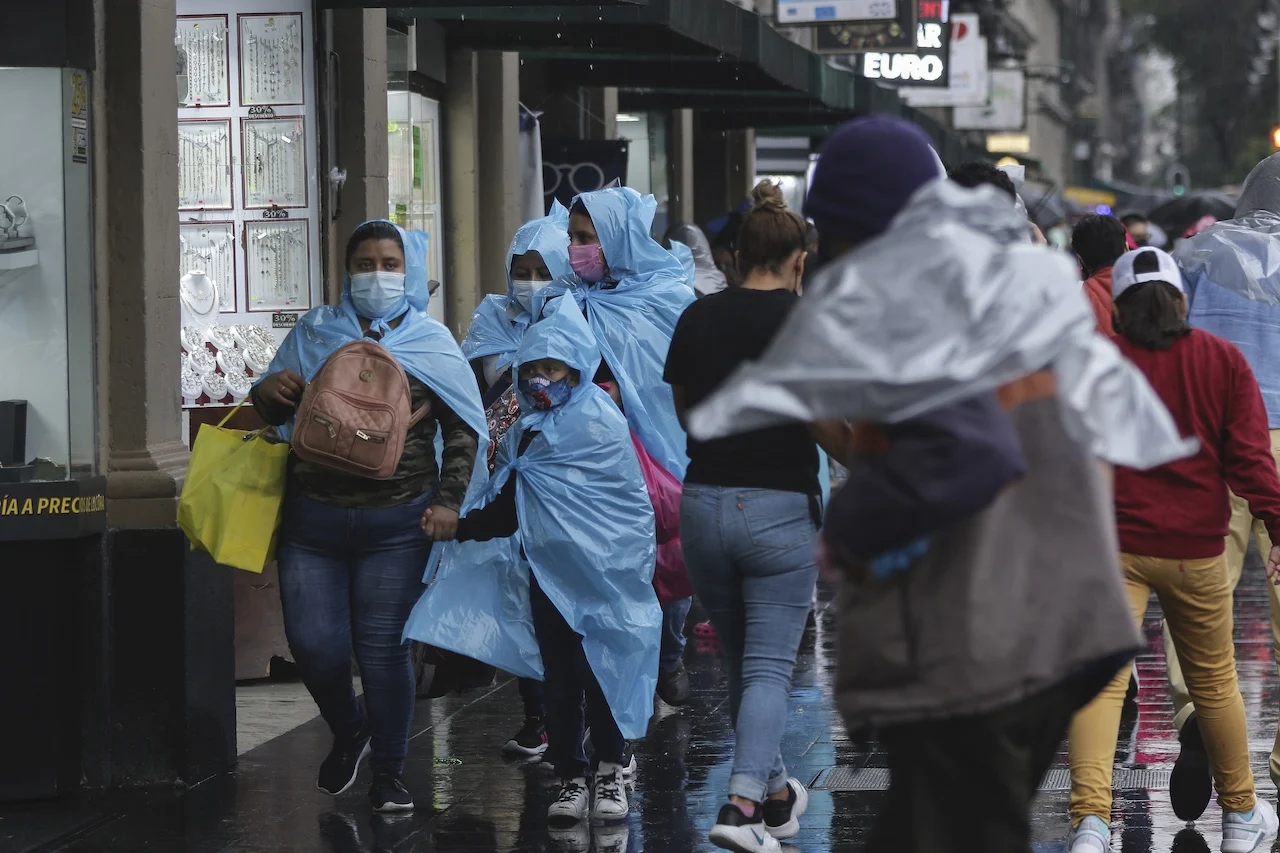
[(928, 65)]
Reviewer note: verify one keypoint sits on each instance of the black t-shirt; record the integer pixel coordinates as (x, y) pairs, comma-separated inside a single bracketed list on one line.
[(715, 335)]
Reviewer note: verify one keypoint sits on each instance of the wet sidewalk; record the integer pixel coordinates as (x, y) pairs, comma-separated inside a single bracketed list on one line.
[(471, 801)]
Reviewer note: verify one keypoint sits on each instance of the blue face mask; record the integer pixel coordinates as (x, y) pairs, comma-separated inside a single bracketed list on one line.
[(543, 394), (378, 295)]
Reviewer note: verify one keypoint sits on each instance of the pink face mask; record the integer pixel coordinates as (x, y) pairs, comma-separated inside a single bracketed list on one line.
[(588, 263)]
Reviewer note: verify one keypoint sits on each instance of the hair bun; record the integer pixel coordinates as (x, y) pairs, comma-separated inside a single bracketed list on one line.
[(767, 195)]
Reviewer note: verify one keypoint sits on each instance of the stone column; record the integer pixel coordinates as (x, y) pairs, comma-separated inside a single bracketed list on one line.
[(681, 164), (360, 40), (136, 222), (498, 153), (460, 173)]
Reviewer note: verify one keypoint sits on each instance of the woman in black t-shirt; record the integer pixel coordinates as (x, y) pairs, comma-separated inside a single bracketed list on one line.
[(749, 519)]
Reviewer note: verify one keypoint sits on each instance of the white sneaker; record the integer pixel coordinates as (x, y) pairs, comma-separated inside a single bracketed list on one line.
[(735, 831), (573, 802), (1093, 835), (1244, 835), (782, 817), (610, 794)]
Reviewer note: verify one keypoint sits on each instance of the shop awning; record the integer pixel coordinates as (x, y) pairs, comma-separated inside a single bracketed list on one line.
[(662, 44)]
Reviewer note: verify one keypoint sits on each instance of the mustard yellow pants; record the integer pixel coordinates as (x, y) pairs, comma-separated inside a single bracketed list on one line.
[(1243, 525), (1196, 598)]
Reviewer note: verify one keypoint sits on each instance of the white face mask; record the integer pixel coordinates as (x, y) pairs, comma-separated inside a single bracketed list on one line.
[(524, 292), (379, 294)]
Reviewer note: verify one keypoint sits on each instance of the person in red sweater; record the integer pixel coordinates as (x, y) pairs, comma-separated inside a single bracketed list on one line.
[(1097, 241), (1172, 523)]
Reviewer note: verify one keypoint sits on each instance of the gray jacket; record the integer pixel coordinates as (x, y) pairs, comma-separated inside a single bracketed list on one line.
[(1004, 605)]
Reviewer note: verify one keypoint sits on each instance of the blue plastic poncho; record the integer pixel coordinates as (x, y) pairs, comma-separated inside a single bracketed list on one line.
[(633, 315), (422, 345), (685, 256), (587, 529), (499, 323)]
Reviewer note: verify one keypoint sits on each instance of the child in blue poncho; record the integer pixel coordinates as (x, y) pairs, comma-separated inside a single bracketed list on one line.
[(569, 491)]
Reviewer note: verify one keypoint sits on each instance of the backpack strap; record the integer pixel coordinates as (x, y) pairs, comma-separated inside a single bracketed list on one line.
[(419, 415)]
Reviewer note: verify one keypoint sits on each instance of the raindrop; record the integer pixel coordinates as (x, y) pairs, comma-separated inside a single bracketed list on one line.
[(464, 16), (591, 67), (557, 35)]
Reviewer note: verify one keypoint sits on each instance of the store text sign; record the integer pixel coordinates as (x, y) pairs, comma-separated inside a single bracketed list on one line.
[(927, 66), (63, 509)]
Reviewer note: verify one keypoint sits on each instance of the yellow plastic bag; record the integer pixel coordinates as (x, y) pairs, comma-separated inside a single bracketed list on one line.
[(233, 496)]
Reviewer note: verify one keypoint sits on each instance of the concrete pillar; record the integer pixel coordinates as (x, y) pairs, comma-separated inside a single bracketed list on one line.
[(498, 158), (461, 191), (136, 220), (725, 168), (740, 165), (360, 40), (680, 158)]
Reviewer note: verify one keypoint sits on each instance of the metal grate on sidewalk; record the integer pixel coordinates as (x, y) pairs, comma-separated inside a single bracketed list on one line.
[(1057, 779)]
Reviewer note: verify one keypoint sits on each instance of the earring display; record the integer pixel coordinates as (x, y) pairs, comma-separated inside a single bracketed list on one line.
[(277, 264), (203, 54), (275, 163), (204, 165), (270, 60), (210, 247)]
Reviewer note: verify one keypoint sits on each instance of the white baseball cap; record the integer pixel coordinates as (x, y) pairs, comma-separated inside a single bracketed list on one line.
[(1123, 276)]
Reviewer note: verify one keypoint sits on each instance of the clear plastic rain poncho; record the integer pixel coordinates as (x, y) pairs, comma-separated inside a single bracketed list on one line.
[(950, 302), (1232, 273), (707, 278), (633, 314), (587, 528), (422, 345), (499, 323)]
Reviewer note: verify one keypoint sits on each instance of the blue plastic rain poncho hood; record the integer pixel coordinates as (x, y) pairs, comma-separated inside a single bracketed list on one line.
[(685, 256), (499, 323), (633, 315), (587, 530), (422, 345)]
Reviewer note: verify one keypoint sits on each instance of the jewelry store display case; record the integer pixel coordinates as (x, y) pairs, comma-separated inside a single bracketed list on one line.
[(248, 199), (48, 413)]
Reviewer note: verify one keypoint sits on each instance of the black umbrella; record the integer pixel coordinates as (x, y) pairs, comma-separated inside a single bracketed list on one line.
[(1177, 215)]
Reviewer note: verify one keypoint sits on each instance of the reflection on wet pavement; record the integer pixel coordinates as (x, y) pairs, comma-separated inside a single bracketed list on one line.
[(470, 800)]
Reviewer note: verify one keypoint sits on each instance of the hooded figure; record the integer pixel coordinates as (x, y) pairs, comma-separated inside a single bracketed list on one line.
[(499, 323), (1232, 274), (685, 256), (632, 311), (586, 528), (705, 277), (422, 345)]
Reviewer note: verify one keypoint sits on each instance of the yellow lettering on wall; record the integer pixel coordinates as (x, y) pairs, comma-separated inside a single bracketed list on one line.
[(66, 506), (26, 507)]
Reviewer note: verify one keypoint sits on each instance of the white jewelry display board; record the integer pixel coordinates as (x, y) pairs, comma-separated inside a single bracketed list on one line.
[(277, 259), (253, 236), (204, 59), (204, 165), (270, 59), (275, 162), (211, 247)]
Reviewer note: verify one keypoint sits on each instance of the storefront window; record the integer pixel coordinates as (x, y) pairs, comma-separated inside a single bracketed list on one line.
[(413, 162), (647, 159), (47, 385)]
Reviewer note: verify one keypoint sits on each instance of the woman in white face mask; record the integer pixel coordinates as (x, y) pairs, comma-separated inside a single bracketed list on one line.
[(351, 554)]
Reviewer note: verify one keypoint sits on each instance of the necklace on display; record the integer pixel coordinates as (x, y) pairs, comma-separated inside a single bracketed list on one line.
[(199, 294)]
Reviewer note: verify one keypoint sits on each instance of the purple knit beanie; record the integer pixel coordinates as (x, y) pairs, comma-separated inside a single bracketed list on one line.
[(867, 171)]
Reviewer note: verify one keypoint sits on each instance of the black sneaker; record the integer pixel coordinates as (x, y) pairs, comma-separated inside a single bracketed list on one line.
[(530, 741), (736, 831), (388, 794), (782, 817), (673, 686), (338, 771), (1191, 782)]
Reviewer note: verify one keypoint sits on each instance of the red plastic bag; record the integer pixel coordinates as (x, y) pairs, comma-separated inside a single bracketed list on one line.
[(670, 580)]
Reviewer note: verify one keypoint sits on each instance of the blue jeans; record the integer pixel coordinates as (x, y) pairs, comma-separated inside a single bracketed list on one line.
[(572, 695), (351, 577), (750, 555), (674, 614)]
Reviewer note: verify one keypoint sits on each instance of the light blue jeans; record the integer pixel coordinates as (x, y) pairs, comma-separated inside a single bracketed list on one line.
[(750, 555)]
